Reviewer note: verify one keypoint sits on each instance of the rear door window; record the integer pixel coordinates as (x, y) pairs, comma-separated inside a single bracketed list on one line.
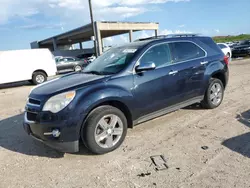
[(184, 51)]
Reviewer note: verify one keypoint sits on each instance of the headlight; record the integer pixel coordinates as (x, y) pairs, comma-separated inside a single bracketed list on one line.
[(59, 102)]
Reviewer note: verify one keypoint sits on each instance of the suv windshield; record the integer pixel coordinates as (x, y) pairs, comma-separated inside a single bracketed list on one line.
[(112, 61)]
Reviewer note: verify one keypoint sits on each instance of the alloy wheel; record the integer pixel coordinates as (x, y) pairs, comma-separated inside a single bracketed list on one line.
[(108, 131), (78, 68), (216, 94)]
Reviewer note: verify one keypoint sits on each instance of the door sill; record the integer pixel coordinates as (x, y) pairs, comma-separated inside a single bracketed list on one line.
[(167, 110)]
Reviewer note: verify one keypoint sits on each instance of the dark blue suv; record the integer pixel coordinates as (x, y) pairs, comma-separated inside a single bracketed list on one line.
[(126, 86)]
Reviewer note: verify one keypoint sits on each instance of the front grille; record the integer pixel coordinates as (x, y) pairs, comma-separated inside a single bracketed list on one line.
[(34, 101), (31, 116)]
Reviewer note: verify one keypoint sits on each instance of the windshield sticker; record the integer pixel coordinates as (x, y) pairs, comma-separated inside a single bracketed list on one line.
[(129, 51)]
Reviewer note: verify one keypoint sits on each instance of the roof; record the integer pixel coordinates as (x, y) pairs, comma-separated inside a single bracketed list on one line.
[(184, 35), (146, 41), (107, 29)]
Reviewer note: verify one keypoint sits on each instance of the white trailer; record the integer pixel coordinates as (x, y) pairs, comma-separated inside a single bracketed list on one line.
[(19, 65)]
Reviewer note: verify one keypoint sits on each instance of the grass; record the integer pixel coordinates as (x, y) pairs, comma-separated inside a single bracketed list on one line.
[(229, 38)]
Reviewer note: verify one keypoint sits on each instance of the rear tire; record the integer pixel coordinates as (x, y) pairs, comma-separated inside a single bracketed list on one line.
[(214, 94), (39, 77), (98, 135)]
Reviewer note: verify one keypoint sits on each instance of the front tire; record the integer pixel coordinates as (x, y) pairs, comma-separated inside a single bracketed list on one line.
[(214, 94), (77, 68), (39, 77), (105, 129)]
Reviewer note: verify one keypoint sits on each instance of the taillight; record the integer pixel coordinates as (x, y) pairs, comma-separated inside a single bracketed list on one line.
[(226, 59)]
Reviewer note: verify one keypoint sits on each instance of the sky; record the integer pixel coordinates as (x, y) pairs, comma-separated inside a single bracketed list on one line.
[(24, 21)]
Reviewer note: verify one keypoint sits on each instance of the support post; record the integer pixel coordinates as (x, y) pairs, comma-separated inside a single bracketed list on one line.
[(99, 42), (156, 32), (93, 27), (99, 39), (130, 35), (80, 44), (54, 44)]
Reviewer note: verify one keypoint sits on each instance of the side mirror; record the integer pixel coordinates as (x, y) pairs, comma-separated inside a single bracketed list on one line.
[(145, 67)]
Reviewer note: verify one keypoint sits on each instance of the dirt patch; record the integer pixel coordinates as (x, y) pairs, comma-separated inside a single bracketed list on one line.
[(179, 136)]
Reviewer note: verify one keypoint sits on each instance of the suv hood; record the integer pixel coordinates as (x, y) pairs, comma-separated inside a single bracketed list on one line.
[(65, 83)]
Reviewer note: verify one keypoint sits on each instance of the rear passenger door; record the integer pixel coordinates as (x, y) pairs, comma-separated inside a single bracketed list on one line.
[(189, 68)]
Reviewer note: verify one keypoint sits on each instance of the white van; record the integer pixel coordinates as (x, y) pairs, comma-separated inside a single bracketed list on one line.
[(19, 65)]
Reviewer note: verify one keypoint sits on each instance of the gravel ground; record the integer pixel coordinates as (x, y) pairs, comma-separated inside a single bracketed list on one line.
[(178, 136)]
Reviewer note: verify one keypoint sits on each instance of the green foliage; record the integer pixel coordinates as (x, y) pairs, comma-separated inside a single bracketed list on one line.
[(222, 39)]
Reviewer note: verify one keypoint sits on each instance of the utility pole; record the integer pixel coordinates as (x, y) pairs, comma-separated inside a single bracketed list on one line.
[(93, 28)]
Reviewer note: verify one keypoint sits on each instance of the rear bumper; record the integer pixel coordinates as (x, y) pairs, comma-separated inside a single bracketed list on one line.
[(226, 78)]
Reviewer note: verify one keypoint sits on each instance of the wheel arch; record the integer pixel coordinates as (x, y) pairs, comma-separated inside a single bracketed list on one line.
[(221, 76), (39, 70), (115, 103)]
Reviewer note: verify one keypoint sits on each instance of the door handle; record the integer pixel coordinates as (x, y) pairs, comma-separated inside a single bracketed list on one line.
[(204, 62), (172, 72)]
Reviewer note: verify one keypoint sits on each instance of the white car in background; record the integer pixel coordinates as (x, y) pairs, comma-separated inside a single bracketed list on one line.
[(226, 49), (230, 43), (92, 58)]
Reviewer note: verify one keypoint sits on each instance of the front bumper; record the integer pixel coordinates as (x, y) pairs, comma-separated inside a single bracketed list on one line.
[(62, 143)]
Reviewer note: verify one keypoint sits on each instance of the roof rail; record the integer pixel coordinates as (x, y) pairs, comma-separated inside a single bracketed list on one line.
[(169, 36), (183, 35)]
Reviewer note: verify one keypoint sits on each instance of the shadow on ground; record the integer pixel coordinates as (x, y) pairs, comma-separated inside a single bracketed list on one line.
[(16, 84), (14, 138), (196, 106), (240, 144)]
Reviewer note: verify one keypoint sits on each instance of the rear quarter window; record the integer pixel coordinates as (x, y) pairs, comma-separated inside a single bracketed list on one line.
[(210, 45)]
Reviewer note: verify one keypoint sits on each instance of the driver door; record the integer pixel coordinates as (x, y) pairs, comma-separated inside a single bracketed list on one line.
[(149, 85)]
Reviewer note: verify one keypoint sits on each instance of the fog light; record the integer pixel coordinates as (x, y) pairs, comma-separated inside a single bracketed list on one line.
[(56, 133)]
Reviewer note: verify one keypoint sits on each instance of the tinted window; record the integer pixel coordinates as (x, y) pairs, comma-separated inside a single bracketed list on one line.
[(159, 54), (244, 42), (222, 46), (211, 44), (69, 59), (183, 51)]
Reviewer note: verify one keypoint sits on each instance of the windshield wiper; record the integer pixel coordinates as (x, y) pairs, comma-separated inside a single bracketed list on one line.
[(98, 73), (92, 72)]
